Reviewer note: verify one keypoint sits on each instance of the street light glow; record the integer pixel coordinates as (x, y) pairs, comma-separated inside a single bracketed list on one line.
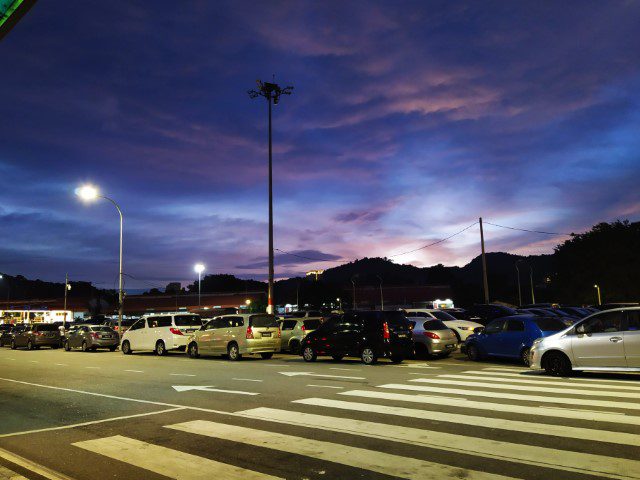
[(248, 301), (87, 193), (199, 268)]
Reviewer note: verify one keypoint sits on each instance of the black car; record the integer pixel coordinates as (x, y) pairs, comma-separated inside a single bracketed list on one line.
[(5, 334), (486, 312), (369, 335)]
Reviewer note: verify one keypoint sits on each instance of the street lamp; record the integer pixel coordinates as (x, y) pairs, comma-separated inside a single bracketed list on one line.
[(533, 297), (89, 193), (247, 302), (339, 303), (272, 92), (199, 268), (597, 287), (353, 282), (381, 297), (67, 288)]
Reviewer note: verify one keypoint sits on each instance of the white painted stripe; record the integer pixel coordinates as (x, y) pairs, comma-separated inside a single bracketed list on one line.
[(541, 376), (32, 466), (34, 361), (325, 386), (94, 422), (93, 367), (6, 474), (544, 411), (509, 369), (166, 461), (486, 422), (526, 388), (346, 369), (375, 461), (414, 366), (182, 374), (534, 381), (135, 371), (247, 380), (591, 464), (515, 396), (62, 365)]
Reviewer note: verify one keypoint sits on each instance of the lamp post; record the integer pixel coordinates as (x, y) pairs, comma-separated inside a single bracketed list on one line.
[(353, 282), (89, 193), (339, 303), (199, 268), (533, 295), (67, 287), (247, 302), (272, 92), (381, 296), (597, 287), (519, 291)]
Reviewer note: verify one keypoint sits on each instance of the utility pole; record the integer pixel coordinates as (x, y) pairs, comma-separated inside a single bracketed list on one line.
[(519, 291), (353, 282), (484, 266), (533, 295), (272, 92)]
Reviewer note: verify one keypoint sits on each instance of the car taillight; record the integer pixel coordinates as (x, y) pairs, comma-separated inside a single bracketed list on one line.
[(303, 328), (37, 334), (95, 335), (116, 328), (385, 331), (249, 332), (175, 331), (435, 336)]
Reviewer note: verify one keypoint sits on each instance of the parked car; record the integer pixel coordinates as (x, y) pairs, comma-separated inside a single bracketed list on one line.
[(369, 335), (511, 337), (576, 312), (125, 325), (237, 335), (486, 312), (604, 341), (461, 328), (92, 337), (36, 335), (5, 334), (160, 333), (294, 330), (304, 314), (432, 337)]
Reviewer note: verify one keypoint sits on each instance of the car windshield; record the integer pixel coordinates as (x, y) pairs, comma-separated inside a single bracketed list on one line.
[(550, 324), (442, 315), (263, 321), (311, 324), (188, 321), (434, 325), (314, 313), (296, 314), (47, 327), (103, 329)]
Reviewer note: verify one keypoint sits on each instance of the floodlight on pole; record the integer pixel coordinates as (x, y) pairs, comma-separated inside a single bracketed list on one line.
[(272, 93), (199, 268)]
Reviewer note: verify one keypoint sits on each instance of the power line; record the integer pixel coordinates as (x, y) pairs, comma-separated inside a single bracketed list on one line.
[(435, 243), (529, 231)]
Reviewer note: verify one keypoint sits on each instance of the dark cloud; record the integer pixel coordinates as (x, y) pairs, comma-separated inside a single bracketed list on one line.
[(298, 257)]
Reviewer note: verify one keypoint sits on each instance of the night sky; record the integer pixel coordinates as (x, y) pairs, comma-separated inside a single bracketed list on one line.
[(409, 120)]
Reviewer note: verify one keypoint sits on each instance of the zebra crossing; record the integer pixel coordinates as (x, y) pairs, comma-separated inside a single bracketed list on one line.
[(419, 429)]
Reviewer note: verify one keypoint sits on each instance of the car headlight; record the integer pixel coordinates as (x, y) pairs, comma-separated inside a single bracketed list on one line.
[(466, 328)]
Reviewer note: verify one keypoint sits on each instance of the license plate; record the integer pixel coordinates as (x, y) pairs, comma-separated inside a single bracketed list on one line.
[(107, 336), (451, 346), (266, 334), (402, 335)]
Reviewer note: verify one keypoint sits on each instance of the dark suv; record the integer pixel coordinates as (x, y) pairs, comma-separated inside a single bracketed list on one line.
[(37, 335), (6, 330), (366, 334), (486, 312)]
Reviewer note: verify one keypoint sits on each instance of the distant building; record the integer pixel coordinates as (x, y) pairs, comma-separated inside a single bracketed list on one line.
[(397, 295)]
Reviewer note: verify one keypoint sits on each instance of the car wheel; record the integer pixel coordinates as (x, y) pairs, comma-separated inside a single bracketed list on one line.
[(337, 358), (112, 349), (524, 356), (457, 335), (13, 345), (397, 359), (85, 347), (309, 354), (233, 351), (67, 347), (368, 356), (193, 350), (556, 364), (160, 349), (126, 347), (473, 353), (421, 350), (266, 356), (294, 347), (29, 345)]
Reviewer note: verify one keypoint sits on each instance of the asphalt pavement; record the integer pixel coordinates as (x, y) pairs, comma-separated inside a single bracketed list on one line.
[(95, 415)]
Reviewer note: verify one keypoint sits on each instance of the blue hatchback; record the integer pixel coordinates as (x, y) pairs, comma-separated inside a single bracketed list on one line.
[(511, 337)]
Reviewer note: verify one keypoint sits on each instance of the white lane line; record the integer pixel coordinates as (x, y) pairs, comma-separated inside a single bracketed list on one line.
[(6, 474), (414, 366), (310, 374), (93, 422), (275, 365), (32, 466), (486, 422), (515, 396), (346, 369), (324, 386), (247, 379), (508, 369), (209, 388), (541, 410), (541, 376), (135, 371), (544, 382), (417, 373), (585, 463), (182, 374), (375, 461), (97, 368), (10, 359), (62, 365), (34, 361), (166, 461), (526, 388)]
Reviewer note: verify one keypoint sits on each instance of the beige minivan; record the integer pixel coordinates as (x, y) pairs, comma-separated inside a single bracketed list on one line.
[(237, 335)]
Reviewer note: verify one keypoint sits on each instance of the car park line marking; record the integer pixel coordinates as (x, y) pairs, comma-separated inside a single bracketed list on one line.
[(547, 411), (545, 382), (208, 388), (346, 369), (375, 461), (541, 376), (509, 369), (135, 371), (515, 396), (324, 386), (414, 365), (167, 461), (34, 361), (32, 466), (93, 422), (62, 365), (486, 422), (585, 463), (182, 374), (7, 474), (93, 367), (310, 374), (247, 379), (526, 388)]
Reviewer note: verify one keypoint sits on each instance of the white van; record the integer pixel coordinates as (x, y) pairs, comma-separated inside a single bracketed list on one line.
[(160, 333)]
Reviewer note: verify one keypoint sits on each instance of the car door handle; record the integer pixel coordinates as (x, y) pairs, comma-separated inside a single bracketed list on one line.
[(615, 339)]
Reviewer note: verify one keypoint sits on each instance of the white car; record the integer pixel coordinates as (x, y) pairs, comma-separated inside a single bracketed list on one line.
[(462, 328), (160, 333)]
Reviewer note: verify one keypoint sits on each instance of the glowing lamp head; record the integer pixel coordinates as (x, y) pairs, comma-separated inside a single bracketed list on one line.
[(87, 193), (595, 286), (199, 268), (248, 301)]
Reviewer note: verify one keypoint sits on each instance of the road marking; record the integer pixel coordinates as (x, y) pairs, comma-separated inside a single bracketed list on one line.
[(375, 461), (166, 461), (324, 386), (6, 474), (209, 388), (526, 388), (346, 369), (544, 382), (247, 379), (62, 365), (486, 422), (275, 365), (509, 369), (417, 373), (93, 367), (414, 366), (182, 374), (310, 374), (32, 466), (94, 422), (515, 396), (34, 361), (585, 463), (10, 359), (135, 371), (544, 411), (541, 376)]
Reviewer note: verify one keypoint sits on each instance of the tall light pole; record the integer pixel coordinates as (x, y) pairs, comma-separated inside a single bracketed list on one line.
[(533, 295), (485, 281), (67, 287), (272, 92), (381, 296), (353, 282), (519, 291), (199, 268), (89, 193), (597, 287)]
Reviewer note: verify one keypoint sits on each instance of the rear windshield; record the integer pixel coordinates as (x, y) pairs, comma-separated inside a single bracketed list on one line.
[(188, 321), (442, 315), (397, 321), (103, 329), (47, 327), (434, 325), (311, 324), (263, 321), (296, 314), (550, 324), (314, 313)]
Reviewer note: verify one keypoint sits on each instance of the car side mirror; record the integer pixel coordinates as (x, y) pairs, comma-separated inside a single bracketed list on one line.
[(478, 330)]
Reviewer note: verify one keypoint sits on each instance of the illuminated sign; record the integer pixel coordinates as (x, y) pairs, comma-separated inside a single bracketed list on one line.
[(11, 11)]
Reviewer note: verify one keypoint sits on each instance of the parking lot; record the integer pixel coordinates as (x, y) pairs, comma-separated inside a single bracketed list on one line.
[(76, 414)]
